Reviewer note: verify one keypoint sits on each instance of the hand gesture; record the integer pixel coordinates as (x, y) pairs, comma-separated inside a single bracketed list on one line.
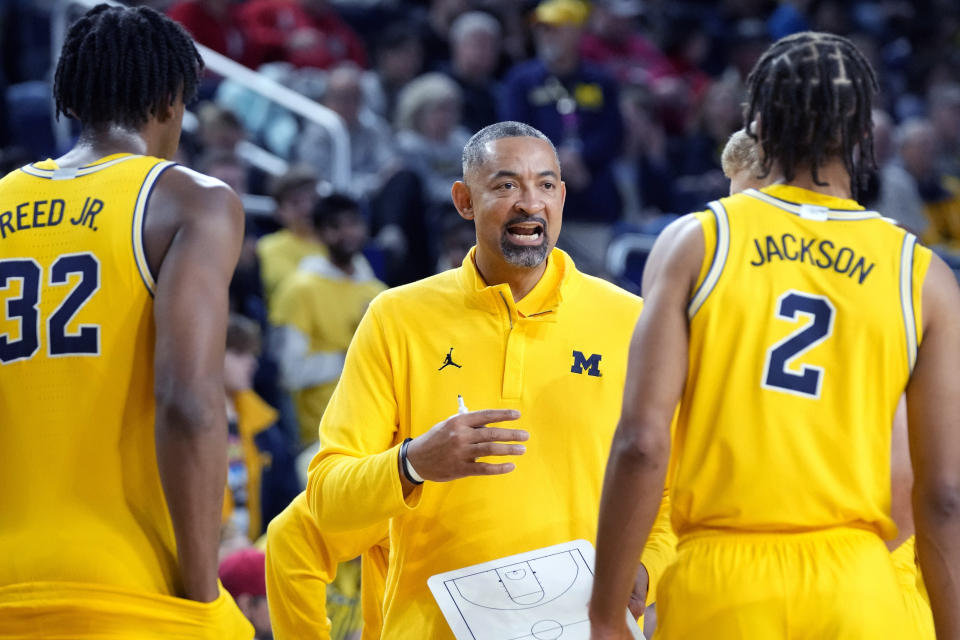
[(449, 450)]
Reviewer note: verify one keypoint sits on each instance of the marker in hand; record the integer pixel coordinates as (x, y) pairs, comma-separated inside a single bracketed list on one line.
[(451, 448)]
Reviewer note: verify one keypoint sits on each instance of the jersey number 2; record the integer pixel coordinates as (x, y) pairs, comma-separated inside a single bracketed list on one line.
[(85, 341), (776, 372)]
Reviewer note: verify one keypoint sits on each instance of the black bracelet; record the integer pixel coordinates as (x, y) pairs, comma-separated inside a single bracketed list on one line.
[(403, 461)]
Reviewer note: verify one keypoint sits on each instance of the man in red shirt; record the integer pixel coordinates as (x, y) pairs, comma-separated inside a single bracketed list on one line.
[(306, 33), (213, 23)]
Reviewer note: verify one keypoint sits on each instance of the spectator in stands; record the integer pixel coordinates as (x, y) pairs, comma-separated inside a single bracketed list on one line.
[(514, 19), (695, 157), (317, 309), (220, 128), (575, 105), (944, 105), (213, 23), (430, 137), (686, 45), (281, 251), (222, 132), (372, 157), (475, 51), (745, 43), (643, 172), (398, 59), (243, 574), (435, 30), (261, 479), (896, 192), (615, 42), (940, 194), (306, 33)]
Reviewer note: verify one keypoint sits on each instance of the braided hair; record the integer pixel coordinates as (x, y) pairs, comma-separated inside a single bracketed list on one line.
[(811, 93), (123, 66)]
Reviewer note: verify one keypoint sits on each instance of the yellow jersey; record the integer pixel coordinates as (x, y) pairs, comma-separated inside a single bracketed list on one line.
[(83, 508), (559, 355), (804, 329)]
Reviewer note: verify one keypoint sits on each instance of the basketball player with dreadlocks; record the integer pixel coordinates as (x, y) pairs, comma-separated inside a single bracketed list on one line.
[(114, 270), (786, 322)]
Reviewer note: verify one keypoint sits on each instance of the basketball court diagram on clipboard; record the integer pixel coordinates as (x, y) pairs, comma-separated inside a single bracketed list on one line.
[(538, 595)]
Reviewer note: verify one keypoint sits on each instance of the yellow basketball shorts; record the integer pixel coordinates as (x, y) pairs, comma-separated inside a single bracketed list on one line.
[(836, 584), (918, 607), (62, 611)]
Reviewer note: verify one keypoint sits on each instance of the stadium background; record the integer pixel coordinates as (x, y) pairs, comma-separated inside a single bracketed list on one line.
[(639, 96)]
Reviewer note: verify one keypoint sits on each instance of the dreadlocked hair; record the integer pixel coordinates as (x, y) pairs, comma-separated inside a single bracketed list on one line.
[(811, 93), (122, 65)]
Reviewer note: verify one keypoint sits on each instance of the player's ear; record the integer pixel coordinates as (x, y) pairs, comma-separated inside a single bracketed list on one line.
[(174, 110), (462, 199)]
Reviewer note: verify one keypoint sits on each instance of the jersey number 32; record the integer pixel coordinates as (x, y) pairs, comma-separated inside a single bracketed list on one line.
[(60, 342)]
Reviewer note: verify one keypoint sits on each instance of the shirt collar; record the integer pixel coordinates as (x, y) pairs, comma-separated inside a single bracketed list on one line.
[(794, 194), (541, 302)]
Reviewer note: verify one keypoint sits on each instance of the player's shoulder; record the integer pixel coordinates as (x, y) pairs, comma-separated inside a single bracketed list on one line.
[(182, 197), (196, 189)]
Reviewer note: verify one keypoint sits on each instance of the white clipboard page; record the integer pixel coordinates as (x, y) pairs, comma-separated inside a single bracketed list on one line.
[(538, 595)]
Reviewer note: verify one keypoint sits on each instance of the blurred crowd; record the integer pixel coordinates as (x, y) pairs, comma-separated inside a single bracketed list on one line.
[(639, 96)]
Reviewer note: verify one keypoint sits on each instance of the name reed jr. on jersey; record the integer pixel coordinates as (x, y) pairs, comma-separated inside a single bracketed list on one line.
[(825, 255), (47, 213)]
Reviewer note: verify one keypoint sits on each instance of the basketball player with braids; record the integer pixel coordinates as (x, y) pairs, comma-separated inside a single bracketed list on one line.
[(741, 164), (114, 270), (786, 322)]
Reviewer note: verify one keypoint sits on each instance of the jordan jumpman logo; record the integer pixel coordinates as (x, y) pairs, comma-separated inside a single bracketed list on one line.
[(448, 361)]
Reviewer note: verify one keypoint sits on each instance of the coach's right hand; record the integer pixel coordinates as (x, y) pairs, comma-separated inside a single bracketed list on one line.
[(450, 448)]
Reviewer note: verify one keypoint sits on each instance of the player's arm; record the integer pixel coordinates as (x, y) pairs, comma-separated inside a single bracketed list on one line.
[(657, 370), (190, 311), (933, 406), (301, 562)]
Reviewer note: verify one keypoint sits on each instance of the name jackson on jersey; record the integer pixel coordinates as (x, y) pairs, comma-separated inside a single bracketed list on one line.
[(48, 213), (823, 254)]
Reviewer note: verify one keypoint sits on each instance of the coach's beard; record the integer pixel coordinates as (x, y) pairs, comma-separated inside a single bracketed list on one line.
[(525, 255)]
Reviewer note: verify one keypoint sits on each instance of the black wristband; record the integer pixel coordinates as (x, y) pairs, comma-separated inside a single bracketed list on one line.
[(403, 461)]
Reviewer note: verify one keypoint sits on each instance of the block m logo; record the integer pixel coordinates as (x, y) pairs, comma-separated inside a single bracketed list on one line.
[(591, 364)]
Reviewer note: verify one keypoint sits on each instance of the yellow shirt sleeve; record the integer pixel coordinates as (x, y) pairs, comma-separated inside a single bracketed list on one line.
[(354, 479), (301, 562), (661, 548)]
